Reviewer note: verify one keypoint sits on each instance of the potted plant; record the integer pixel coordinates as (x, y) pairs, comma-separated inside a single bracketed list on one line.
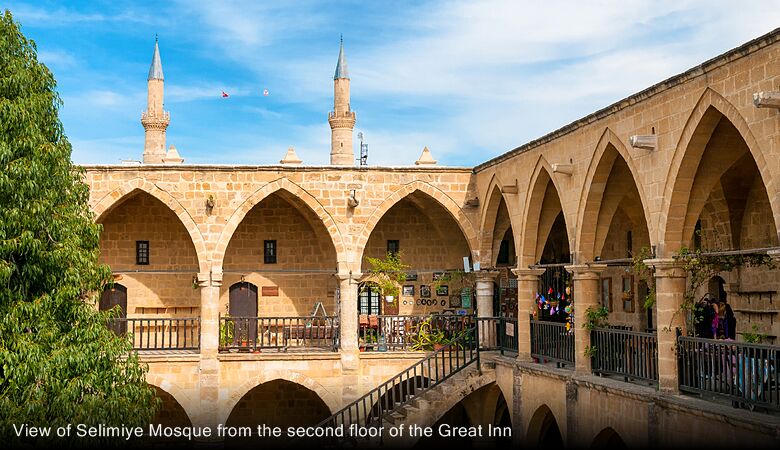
[(388, 274), (227, 331), (427, 339)]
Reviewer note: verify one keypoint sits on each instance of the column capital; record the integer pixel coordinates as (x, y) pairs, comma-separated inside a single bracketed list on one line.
[(487, 275), (587, 271), (528, 273), (667, 267), (344, 276), (203, 279)]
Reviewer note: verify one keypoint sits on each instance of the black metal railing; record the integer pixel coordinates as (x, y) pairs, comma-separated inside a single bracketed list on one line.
[(498, 333), (371, 409), (745, 373), (551, 341), (398, 333), (621, 352), (281, 333), (159, 333)]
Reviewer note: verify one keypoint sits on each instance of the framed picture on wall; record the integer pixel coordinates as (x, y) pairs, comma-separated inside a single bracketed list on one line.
[(443, 290), (425, 291), (408, 290), (628, 293), (455, 301), (606, 293)]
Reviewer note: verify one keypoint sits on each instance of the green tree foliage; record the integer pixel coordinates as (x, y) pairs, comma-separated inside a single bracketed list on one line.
[(59, 363)]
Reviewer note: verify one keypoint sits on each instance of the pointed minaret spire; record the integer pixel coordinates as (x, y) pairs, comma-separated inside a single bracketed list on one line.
[(155, 71), (341, 65), (154, 119), (342, 118)]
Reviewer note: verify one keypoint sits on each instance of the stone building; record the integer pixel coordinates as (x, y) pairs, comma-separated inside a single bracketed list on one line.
[(220, 269)]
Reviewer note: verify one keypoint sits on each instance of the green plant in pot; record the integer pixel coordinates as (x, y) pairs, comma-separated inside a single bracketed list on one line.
[(388, 273), (428, 339), (227, 329)]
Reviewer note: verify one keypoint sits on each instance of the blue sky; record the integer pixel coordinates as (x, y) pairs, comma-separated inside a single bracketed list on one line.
[(469, 80)]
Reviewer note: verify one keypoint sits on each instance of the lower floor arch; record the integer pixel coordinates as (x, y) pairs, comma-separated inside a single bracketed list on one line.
[(278, 403), (171, 413), (543, 430), (485, 408), (608, 438)]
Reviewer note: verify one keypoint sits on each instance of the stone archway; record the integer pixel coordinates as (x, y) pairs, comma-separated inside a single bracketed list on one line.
[(329, 398), (278, 403), (608, 438), (543, 430), (108, 203), (436, 195), (542, 210), (291, 190), (610, 190), (684, 185)]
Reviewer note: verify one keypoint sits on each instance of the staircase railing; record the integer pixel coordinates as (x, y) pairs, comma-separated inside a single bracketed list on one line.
[(371, 409)]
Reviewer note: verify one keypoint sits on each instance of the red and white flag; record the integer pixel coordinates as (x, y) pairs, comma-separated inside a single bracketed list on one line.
[(225, 94)]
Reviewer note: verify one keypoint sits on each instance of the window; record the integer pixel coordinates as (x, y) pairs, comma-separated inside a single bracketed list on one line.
[(142, 253), (503, 252), (393, 246), (368, 299), (269, 252)]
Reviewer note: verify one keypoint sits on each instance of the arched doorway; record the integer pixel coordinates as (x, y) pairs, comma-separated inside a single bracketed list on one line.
[(242, 307), (114, 296), (608, 438), (543, 430)]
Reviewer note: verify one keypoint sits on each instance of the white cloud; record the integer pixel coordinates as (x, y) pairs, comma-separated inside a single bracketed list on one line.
[(107, 150)]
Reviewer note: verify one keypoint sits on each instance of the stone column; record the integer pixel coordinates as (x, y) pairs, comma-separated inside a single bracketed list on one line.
[(209, 347), (585, 295), (527, 286), (484, 300), (348, 335), (670, 283)]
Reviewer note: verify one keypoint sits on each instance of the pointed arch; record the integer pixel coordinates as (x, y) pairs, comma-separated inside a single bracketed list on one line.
[(544, 429), (329, 398), (591, 213), (110, 201), (688, 153), (493, 198), (460, 218), (175, 391), (536, 227), (281, 184)]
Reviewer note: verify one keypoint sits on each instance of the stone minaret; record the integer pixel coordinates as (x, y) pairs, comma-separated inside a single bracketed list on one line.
[(342, 118), (154, 119)]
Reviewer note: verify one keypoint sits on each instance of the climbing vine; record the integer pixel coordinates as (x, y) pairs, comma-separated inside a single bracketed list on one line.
[(702, 266), (645, 273)]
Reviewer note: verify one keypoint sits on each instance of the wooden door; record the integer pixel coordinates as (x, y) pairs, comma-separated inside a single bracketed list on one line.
[(243, 307), (112, 297)]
